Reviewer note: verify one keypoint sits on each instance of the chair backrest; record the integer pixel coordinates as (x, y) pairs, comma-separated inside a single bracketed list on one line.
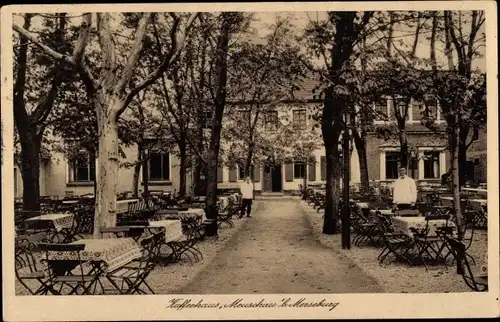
[(24, 256), (59, 266), (170, 211), (437, 217), (61, 247), (407, 212), (151, 248), (134, 223), (114, 230)]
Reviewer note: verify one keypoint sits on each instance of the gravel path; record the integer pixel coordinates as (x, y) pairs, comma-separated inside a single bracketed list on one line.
[(276, 252)]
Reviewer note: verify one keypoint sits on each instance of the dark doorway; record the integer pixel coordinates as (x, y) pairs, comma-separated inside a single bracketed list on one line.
[(276, 179), (272, 178)]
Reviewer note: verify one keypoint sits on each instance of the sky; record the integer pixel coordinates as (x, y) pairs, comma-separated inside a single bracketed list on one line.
[(300, 19), (263, 21)]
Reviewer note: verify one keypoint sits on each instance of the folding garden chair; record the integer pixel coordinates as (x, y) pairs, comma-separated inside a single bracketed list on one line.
[(69, 272), (28, 268), (134, 232), (428, 242), (366, 230), (477, 283), (130, 278)]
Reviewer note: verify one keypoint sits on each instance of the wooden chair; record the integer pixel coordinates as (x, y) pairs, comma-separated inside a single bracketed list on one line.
[(130, 278)]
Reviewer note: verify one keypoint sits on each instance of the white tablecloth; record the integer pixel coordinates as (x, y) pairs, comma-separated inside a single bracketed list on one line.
[(173, 229), (402, 225), (59, 221), (193, 212), (362, 205), (114, 252)]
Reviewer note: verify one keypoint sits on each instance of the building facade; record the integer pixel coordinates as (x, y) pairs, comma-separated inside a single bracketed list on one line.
[(428, 162)]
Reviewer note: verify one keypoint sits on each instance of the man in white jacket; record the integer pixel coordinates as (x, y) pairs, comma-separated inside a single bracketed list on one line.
[(246, 189), (405, 191)]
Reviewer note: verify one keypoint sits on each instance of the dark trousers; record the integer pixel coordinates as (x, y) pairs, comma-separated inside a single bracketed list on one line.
[(246, 205), (404, 206)]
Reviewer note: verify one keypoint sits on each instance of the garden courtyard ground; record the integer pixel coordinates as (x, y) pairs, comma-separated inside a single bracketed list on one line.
[(281, 250)]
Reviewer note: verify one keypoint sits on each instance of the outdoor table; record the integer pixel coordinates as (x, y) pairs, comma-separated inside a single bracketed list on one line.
[(191, 213), (402, 225), (47, 221), (172, 228), (110, 253), (479, 202), (384, 212), (226, 199), (485, 191), (362, 205)]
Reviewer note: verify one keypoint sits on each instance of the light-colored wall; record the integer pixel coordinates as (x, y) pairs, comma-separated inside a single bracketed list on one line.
[(43, 181), (54, 177)]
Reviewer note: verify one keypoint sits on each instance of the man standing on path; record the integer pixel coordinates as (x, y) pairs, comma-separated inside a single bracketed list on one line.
[(246, 190), (405, 191)]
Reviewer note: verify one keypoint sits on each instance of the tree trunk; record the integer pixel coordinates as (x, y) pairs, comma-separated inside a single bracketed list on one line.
[(145, 174), (403, 141), (108, 163), (30, 169), (197, 181), (248, 161), (220, 102), (333, 173), (183, 167), (360, 143), (462, 154), (137, 171), (456, 179), (331, 133)]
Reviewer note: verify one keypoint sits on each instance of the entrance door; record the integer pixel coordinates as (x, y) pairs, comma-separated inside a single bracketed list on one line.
[(276, 179), (272, 181), (267, 179)]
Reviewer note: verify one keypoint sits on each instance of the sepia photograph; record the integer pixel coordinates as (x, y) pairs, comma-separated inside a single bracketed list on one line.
[(250, 160)]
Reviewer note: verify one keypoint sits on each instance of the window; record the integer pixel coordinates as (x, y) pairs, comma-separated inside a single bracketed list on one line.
[(299, 119), (431, 165), (430, 109), (299, 170), (271, 121), (241, 173), (381, 109), (159, 166), (83, 168), (391, 165)]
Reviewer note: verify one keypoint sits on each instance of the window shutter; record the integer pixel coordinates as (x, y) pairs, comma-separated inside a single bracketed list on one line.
[(219, 174), (312, 171), (256, 174), (232, 175), (288, 172), (323, 168)]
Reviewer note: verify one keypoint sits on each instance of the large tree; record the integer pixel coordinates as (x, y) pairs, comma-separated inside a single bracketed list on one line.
[(459, 88), (109, 91), (230, 23), (334, 40), (33, 99)]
